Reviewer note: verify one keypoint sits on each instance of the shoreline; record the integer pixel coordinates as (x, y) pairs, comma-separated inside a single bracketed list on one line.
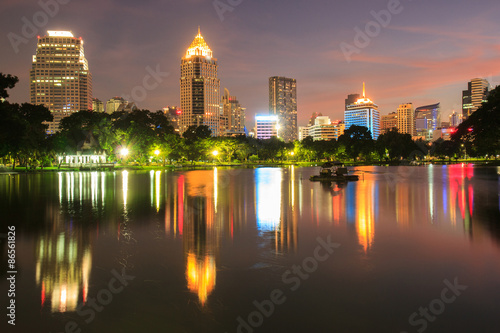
[(23, 170)]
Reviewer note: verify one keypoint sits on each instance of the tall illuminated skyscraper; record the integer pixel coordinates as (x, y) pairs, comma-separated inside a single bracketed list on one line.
[(474, 96), (200, 87), (406, 119), (59, 77), (363, 112), (283, 103)]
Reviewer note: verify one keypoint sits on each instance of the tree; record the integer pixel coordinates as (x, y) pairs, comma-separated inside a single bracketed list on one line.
[(395, 144), (357, 141), (7, 82)]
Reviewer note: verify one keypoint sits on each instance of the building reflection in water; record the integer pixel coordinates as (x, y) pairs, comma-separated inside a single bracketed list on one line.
[(64, 252), (365, 213), (268, 198), (276, 215)]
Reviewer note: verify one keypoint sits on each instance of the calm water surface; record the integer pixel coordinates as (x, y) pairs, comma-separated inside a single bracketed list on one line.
[(209, 250)]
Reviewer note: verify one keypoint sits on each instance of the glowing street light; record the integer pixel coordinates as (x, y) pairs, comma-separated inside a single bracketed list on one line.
[(215, 153), (157, 152), (124, 152)]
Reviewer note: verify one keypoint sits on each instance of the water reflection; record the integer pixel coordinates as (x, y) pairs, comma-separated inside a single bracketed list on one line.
[(365, 213), (268, 198), (63, 265)]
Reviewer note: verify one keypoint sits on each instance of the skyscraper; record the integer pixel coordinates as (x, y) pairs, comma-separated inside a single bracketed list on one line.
[(283, 103), (233, 116), (406, 119), (200, 87), (427, 120), (59, 77), (364, 112), (474, 96)]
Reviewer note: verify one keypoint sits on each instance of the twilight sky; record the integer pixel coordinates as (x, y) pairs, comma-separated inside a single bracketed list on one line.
[(425, 54)]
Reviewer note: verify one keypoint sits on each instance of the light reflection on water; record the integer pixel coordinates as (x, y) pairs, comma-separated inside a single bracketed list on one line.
[(222, 221)]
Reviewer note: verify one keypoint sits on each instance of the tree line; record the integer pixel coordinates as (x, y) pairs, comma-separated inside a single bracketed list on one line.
[(150, 137)]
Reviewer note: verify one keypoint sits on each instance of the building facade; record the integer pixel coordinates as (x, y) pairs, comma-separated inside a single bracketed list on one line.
[(283, 103), (406, 119), (232, 121), (266, 126), (200, 87), (388, 122), (351, 99), (364, 112), (456, 119), (325, 129), (474, 96), (427, 120), (97, 105), (118, 104), (174, 114), (60, 78)]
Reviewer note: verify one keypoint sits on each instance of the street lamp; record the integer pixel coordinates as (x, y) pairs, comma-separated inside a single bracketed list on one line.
[(215, 153), (124, 152)]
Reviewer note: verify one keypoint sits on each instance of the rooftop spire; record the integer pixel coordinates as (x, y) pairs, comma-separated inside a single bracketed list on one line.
[(199, 47), (364, 96)]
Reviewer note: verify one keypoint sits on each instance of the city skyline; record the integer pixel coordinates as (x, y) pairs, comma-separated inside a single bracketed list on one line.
[(435, 59)]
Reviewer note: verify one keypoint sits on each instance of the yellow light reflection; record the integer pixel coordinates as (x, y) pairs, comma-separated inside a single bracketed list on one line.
[(63, 270), (125, 187), (365, 223), (215, 188), (157, 189), (201, 275)]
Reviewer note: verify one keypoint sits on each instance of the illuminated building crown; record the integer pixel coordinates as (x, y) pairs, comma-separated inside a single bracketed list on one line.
[(199, 47), (363, 100)]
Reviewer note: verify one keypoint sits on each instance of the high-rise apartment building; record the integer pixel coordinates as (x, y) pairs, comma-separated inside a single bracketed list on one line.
[(200, 87), (283, 103), (233, 116), (474, 96), (59, 77), (363, 112), (406, 119)]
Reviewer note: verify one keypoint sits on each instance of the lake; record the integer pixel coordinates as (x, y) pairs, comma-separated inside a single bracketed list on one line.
[(404, 249)]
